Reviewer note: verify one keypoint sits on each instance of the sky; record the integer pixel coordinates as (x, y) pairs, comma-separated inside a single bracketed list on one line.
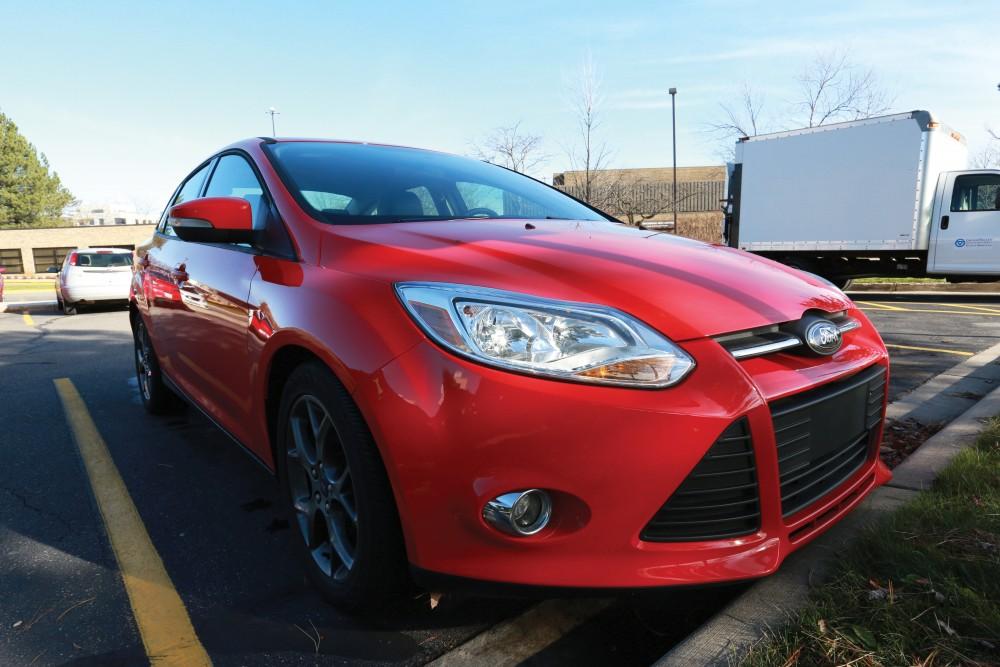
[(125, 98)]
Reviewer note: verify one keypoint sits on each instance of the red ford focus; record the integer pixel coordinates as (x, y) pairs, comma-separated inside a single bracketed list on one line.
[(456, 370)]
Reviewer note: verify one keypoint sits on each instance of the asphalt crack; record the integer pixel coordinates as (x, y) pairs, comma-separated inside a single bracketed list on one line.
[(25, 502)]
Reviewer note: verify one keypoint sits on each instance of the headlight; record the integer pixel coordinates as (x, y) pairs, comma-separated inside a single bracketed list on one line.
[(569, 341)]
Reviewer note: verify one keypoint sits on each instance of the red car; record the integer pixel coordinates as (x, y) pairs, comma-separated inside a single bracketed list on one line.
[(458, 372)]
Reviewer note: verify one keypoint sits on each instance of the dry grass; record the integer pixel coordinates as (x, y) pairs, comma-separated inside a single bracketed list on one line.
[(920, 588), (709, 230)]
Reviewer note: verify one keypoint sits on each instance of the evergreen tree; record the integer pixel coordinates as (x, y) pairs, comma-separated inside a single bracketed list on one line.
[(30, 194)]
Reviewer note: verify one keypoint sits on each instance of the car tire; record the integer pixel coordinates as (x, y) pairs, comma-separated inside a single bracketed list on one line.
[(154, 394), (69, 308), (337, 493), (59, 304)]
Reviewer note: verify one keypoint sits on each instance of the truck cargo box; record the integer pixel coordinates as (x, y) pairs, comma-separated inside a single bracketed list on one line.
[(864, 185)]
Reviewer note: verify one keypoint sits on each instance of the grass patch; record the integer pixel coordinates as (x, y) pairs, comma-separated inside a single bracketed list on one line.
[(922, 587), (29, 285), (869, 281)]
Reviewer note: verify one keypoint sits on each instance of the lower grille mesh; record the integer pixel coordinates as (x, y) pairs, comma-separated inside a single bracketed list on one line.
[(718, 499), (824, 435)]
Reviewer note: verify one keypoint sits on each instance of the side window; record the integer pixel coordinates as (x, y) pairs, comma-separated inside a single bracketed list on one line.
[(233, 177), (188, 191), (976, 192)]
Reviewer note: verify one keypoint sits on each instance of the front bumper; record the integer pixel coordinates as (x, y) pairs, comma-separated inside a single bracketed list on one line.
[(455, 434)]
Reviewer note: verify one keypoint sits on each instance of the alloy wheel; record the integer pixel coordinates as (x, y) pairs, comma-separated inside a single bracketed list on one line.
[(321, 488)]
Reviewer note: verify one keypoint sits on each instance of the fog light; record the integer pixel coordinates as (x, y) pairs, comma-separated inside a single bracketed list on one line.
[(519, 512)]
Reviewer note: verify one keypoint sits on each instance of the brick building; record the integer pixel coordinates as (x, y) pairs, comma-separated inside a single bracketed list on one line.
[(33, 251)]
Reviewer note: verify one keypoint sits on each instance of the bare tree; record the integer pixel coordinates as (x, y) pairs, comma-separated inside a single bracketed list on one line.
[(831, 89), (589, 155), (740, 119), (989, 156), (743, 118), (834, 89), (639, 202), (511, 148)]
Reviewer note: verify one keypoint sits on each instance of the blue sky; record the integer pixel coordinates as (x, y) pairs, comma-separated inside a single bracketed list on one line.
[(126, 97)]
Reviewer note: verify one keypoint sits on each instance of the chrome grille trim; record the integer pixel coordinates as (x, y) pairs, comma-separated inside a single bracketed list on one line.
[(771, 339)]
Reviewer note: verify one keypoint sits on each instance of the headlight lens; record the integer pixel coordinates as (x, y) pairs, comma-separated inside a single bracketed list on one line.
[(570, 341)]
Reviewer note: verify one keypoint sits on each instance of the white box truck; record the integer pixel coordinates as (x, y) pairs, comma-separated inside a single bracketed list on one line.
[(887, 196)]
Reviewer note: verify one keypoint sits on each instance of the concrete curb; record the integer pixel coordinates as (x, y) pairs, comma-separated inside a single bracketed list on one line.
[(17, 306), (727, 636), (951, 392), (992, 289)]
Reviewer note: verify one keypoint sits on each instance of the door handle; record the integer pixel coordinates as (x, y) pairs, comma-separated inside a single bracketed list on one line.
[(180, 273), (944, 222)]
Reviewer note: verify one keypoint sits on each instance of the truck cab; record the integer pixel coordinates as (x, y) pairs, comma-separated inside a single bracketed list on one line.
[(965, 237)]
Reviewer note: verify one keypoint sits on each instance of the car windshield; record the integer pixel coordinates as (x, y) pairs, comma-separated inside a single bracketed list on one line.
[(103, 260), (349, 184)]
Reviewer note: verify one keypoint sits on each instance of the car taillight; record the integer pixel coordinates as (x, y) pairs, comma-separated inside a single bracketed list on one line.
[(72, 259)]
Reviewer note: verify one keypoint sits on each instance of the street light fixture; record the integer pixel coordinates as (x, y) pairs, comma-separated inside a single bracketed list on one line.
[(673, 142)]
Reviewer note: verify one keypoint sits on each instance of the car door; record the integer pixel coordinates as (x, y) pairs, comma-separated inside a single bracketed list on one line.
[(157, 294), (967, 232), (210, 353)]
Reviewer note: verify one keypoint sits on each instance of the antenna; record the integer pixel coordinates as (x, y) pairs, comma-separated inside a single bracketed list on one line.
[(273, 112)]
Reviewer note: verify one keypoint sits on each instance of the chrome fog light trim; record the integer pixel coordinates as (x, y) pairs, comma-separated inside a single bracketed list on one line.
[(520, 513)]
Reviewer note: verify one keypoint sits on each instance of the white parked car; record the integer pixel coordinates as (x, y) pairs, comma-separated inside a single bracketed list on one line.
[(93, 275)]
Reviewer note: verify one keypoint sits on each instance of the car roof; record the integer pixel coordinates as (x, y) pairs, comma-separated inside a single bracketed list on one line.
[(244, 143), (103, 250)]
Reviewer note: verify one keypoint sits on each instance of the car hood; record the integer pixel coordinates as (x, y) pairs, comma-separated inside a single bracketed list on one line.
[(684, 288)]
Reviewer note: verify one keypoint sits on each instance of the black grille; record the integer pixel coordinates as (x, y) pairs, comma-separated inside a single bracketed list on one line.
[(718, 499), (825, 435)]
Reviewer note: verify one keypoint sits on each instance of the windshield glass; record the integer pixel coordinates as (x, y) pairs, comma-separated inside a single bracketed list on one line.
[(359, 184)]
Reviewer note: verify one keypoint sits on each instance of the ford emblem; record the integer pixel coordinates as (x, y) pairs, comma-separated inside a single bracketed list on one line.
[(823, 337)]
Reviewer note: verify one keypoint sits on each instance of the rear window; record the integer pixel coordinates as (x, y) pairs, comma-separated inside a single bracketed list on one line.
[(99, 260), (359, 184)]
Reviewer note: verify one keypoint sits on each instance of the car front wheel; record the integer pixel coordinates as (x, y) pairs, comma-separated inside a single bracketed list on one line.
[(340, 502)]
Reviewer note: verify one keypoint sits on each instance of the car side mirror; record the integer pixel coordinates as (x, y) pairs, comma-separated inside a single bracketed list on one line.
[(213, 220)]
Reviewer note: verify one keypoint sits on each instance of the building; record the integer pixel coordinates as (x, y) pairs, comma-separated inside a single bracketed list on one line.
[(645, 196), (29, 252), (99, 214)]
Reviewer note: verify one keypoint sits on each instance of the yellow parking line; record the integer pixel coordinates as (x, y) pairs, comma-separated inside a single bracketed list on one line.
[(935, 310), (959, 353), (27, 319), (988, 309), (163, 621), (880, 306)]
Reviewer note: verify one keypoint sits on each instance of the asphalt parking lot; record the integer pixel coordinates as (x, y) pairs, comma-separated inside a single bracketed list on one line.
[(212, 516)]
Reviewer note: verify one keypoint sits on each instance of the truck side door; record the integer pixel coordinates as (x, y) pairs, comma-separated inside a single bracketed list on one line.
[(966, 237)]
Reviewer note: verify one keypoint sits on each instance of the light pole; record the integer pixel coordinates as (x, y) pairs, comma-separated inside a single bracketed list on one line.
[(273, 113), (673, 142)]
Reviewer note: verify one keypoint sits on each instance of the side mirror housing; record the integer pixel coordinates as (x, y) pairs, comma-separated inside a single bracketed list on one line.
[(213, 220)]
